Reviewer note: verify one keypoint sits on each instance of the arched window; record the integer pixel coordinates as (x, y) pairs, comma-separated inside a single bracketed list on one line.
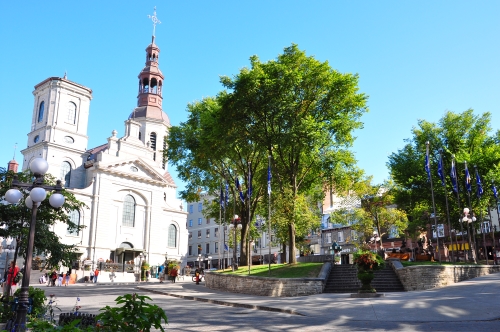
[(65, 176), (154, 88), (71, 113), (41, 109), (172, 236), (74, 216), (128, 217), (140, 135), (145, 85), (152, 140)]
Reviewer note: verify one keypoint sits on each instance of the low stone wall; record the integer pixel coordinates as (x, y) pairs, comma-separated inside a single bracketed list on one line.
[(423, 277), (276, 287)]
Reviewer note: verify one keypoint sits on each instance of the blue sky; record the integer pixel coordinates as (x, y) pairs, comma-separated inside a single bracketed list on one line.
[(415, 59)]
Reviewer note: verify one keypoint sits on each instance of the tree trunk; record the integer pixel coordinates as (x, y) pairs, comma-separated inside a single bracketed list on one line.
[(283, 254), (291, 243)]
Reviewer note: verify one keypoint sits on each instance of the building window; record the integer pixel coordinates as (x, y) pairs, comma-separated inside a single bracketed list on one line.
[(328, 237), (190, 250), (152, 140), (216, 247), (340, 236), (216, 232), (208, 220), (190, 235), (65, 173), (41, 109), (200, 207), (486, 227), (191, 208), (199, 221), (208, 248), (440, 231), (354, 235), (208, 232), (71, 113), (172, 236), (128, 217), (199, 249), (74, 217), (191, 223), (199, 234)]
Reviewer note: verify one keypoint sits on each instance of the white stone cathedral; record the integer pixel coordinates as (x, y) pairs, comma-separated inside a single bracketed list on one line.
[(132, 211)]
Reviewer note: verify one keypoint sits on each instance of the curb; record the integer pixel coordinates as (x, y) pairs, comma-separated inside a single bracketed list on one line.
[(225, 303)]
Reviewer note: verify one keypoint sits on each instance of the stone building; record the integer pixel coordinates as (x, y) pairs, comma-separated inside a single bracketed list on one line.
[(131, 212)]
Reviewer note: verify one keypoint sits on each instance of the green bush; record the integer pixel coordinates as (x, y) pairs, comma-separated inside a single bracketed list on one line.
[(39, 298)]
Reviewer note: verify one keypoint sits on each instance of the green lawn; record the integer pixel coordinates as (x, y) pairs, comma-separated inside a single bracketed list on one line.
[(299, 270)]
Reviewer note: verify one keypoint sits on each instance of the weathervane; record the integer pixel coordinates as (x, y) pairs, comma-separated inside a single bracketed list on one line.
[(154, 19)]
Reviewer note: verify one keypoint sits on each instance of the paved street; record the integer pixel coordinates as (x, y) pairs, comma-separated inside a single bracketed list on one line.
[(468, 306)]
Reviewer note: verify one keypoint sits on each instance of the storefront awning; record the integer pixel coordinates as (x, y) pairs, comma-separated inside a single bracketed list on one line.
[(119, 251)]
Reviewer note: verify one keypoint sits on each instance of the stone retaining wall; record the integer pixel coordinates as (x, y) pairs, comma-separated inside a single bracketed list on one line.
[(429, 276), (279, 287)]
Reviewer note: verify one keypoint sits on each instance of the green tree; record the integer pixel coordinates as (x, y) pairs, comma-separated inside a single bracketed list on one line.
[(302, 112), (466, 136), (15, 221)]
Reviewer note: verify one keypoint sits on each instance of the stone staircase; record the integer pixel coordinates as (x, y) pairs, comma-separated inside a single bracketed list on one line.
[(343, 279)]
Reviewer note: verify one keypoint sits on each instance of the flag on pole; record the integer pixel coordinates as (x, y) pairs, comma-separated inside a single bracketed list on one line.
[(226, 201), (427, 164), (222, 200), (468, 185), (453, 176), (269, 179), (495, 192), (238, 187), (440, 171), (249, 183), (480, 190), (226, 248)]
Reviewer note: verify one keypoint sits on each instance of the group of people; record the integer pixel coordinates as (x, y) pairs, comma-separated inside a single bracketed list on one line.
[(165, 272), (94, 275), (55, 279)]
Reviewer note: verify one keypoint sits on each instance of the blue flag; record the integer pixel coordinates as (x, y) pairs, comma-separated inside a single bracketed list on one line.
[(238, 187), (453, 176), (269, 180), (226, 201), (226, 248), (222, 200), (480, 190), (440, 170), (249, 184), (495, 193), (427, 164), (468, 185)]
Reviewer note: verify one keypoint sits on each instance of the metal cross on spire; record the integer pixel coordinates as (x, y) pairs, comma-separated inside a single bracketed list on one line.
[(155, 20)]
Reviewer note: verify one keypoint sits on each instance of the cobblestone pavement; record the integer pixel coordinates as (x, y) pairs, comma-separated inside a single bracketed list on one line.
[(468, 306)]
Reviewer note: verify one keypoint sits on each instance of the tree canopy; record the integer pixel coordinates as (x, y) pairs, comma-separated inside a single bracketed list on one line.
[(296, 109), (462, 137)]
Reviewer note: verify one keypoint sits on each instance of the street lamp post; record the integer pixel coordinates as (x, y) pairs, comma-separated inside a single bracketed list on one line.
[(38, 192), (467, 218), (209, 262), (199, 261), (235, 224)]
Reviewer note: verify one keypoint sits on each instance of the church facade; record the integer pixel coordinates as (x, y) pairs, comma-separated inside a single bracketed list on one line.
[(131, 212)]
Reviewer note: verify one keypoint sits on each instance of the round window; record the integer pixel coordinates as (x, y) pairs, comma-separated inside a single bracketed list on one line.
[(69, 139), (36, 139), (134, 169)]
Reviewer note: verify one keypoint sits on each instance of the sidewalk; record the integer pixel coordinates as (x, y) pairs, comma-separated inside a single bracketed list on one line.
[(473, 300)]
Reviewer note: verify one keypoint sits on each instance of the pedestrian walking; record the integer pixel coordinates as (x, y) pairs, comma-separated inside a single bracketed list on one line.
[(91, 276), (53, 278), (96, 274), (173, 274), (10, 286), (60, 279), (160, 273), (197, 276), (68, 274)]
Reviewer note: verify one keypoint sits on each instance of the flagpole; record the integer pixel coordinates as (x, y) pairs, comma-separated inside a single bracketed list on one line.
[(495, 194), (269, 209), (433, 203), (249, 251), (456, 190), (443, 181), (220, 225)]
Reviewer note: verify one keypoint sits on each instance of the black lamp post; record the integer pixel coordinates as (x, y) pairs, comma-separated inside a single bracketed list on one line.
[(38, 192), (235, 224)]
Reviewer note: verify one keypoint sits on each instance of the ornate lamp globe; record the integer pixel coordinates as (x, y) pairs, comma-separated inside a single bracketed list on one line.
[(56, 200), (39, 166), (29, 203), (13, 196), (38, 194)]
